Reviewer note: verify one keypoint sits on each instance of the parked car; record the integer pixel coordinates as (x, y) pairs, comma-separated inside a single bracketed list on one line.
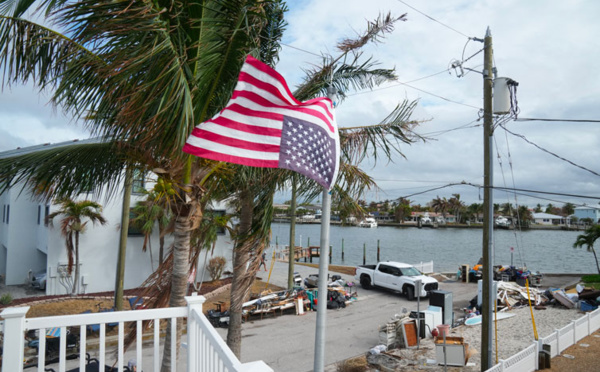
[(38, 280), (397, 276)]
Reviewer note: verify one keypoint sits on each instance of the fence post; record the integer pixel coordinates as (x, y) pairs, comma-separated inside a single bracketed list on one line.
[(342, 249), (378, 250), (364, 253), (501, 361), (14, 333), (589, 323), (537, 355), (194, 305), (574, 332), (557, 341)]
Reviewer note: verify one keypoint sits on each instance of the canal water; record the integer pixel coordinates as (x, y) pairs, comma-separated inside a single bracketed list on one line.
[(547, 251)]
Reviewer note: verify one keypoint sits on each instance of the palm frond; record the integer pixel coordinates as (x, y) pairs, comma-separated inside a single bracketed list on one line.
[(66, 171), (357, 143), (375, 29)]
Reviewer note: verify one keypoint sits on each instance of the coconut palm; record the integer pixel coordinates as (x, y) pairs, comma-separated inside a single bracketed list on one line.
[(440, 205), (588, 239), (72, 225), (141, 74)]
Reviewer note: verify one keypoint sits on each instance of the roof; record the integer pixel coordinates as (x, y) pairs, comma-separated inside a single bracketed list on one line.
[(546, 215)]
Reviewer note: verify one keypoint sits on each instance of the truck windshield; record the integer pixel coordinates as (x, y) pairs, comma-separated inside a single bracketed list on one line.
[(410, 271)]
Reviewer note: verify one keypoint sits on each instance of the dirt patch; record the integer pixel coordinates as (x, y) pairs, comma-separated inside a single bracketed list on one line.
[(583, 356), (216, 292)]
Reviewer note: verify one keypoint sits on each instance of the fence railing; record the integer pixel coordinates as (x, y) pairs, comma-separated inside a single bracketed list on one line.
[(425, 267), (206, 350), (559, 341)]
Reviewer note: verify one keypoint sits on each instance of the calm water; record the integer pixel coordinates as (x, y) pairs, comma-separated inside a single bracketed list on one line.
[(541, 250)]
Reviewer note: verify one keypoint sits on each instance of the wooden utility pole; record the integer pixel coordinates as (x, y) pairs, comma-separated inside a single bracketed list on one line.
[(488, 298)]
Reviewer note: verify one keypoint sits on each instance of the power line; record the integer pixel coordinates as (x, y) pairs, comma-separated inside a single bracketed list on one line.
[(566, 120), (549, 152), (433, 19), (398, 84), (302, 50), (440, 97)]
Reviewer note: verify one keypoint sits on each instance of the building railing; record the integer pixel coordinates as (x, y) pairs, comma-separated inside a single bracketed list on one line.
[(206, 350), (559, 341)]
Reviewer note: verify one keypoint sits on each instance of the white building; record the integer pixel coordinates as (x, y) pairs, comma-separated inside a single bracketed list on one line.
[(548, 219), (27, 245)]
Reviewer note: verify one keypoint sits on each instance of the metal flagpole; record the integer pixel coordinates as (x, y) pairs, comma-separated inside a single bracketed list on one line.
[(319, 363)]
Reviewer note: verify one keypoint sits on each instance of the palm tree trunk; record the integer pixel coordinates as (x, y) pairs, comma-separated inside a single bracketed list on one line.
[(120, 277), (596, 258), (75, 289), (241, 275), (181, 254)]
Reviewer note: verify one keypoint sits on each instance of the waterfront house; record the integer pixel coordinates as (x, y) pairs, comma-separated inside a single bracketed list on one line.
[(549, 219), (587, 211), (28, 245)]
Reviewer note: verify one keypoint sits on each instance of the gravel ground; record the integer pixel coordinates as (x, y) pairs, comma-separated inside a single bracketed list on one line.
[(514, 335)]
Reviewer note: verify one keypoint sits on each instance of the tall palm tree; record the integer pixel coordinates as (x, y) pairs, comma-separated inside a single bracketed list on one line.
[(588, 239), (440, 205), (72, 225), (143, 74)]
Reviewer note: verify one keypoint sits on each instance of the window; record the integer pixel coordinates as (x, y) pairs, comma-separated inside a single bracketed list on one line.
[(218, 214), (138, 183), (132, 230), (39, 214), (3, 213), (46, 213), (7, 213)]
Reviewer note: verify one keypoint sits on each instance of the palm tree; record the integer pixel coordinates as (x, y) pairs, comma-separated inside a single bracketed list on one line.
[(72, 225), (568, 209), (456, 205), (588, 239), (142, 74), (440, 205)]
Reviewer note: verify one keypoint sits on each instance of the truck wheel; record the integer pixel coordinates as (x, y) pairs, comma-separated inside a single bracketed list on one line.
[(365, 282), (410, 293)]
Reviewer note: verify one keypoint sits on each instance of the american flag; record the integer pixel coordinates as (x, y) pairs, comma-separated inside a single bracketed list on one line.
[(263, 125)]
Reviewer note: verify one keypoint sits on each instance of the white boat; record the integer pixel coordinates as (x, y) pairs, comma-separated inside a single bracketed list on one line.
[(368, 222), (426, 220), (502, 221)]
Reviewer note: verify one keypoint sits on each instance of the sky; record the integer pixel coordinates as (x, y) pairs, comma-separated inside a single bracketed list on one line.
[(549, 47)]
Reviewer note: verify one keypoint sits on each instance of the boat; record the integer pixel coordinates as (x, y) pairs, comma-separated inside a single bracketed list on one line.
[(502, 222), (426, 221), (477, 319), (368, 222)]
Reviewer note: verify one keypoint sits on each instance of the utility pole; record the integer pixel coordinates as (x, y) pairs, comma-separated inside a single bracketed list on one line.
[(488, 298)]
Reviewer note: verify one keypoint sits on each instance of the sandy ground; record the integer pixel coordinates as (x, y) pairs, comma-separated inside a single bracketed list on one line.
[(514, 335)]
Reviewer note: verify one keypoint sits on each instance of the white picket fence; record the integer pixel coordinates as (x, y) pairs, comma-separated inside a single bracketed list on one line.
[(206, 350), (559, 340)]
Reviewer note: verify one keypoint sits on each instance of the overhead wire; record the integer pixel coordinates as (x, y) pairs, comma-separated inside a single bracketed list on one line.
[(433, 19), (549, 152), (565, 120)]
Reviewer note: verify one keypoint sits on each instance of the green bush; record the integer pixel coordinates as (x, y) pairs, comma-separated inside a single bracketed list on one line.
[(591, 278), (6, 299)]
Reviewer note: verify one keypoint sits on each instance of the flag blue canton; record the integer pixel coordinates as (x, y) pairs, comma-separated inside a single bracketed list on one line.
[(307, 149)]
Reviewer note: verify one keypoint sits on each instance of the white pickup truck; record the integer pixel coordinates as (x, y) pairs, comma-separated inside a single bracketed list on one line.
[(398, 276)]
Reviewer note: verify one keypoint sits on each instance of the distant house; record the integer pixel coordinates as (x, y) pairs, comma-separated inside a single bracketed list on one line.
[(592, 213), (549, 219), (28, 245)]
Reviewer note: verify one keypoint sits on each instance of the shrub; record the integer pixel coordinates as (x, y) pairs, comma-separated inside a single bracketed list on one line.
[(352, 365), (591, 278), (6, 299), (216, 265)]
